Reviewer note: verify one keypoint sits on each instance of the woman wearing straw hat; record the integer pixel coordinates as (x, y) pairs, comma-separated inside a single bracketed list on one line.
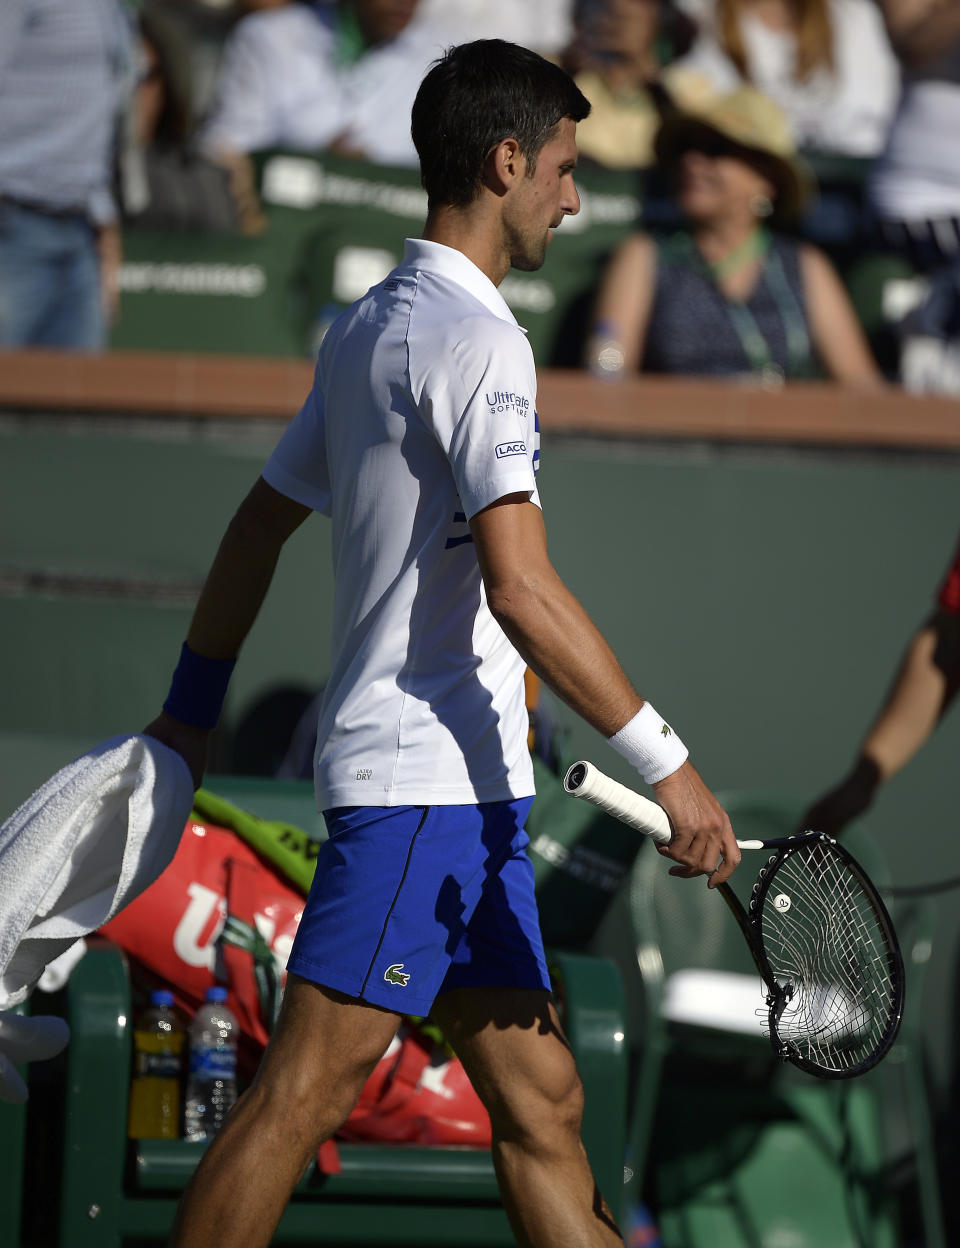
[(731, 293)]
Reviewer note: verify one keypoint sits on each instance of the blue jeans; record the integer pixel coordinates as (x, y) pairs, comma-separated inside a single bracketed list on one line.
[(49, 280)]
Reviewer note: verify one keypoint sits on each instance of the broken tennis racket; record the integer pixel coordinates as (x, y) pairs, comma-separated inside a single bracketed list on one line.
[(819, 933)]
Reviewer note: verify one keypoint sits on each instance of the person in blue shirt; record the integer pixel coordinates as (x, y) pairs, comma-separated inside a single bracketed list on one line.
[(65, 72)]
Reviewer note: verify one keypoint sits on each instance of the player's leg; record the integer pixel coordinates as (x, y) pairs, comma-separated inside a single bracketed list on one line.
[(323, 1049), (362, 936), (512, 1046), (496, 1007)]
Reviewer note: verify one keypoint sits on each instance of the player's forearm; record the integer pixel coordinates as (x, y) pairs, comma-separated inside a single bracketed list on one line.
[(232, 594), (561, 644), (242, 571), (912, 709)]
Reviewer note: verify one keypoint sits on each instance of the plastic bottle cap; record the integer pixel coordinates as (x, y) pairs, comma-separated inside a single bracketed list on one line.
[(161, 996), (216, 993)]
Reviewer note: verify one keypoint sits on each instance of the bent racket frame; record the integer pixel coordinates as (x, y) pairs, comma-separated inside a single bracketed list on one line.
[(817, 929)]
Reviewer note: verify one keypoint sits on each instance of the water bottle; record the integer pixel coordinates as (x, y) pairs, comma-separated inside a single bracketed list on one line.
[(606, 358), (157, 1057), (212, 1083)]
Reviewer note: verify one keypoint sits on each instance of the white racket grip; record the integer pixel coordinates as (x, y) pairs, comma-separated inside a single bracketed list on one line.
[(586, 781)]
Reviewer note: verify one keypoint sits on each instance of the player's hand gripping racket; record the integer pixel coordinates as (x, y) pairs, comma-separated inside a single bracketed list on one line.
[(818, 931)]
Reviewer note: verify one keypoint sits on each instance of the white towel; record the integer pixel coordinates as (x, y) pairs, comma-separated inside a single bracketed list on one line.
[(82, 847), (60, 969)]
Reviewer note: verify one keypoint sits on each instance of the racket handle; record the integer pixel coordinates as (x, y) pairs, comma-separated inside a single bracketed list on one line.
[(586, 781)]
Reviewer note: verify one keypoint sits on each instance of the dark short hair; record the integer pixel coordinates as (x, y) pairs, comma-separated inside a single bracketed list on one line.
[(475, 96)]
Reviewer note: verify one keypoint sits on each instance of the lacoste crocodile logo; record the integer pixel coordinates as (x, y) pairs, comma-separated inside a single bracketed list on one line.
[(666, 730), (396, 975)]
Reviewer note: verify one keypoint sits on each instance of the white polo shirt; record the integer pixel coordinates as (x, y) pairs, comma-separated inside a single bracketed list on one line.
[(422, 413)]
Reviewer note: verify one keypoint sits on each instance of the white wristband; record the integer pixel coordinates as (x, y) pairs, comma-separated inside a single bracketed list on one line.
[(650, 744)]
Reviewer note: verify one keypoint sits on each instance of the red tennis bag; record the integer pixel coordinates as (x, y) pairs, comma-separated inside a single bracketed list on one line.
[(218, 914), (418, 1094), (221, 914)]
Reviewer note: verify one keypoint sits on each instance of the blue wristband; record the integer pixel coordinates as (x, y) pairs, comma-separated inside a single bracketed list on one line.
[(198, 688)]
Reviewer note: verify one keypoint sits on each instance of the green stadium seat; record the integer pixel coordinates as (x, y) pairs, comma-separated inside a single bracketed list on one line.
[(727, 1145), (13, 1135), (112, 1192)]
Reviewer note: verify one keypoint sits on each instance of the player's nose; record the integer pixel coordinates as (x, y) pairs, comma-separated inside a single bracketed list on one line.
[(571, 200)]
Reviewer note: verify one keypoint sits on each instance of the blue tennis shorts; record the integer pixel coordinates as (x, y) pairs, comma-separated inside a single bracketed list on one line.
[(411, 901)]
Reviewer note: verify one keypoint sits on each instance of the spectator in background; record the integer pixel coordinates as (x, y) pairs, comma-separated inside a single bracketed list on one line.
[(174, 186), (616, 59), (66, 68), (922, 692), (189, 36), (827, 63), (731, 294), (915, 187), (314, 77), (543, 25)]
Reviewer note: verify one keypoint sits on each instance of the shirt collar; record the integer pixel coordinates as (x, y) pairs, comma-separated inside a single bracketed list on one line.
[(430, 257)]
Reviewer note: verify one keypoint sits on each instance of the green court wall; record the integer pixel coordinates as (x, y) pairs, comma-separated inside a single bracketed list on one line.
[(759, 597)]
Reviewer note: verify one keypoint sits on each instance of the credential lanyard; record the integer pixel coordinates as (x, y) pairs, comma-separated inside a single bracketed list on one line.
[(754, 344)]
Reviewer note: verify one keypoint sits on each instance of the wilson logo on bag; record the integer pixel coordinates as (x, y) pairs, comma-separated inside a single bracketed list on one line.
[(218, 914), (221, 914)]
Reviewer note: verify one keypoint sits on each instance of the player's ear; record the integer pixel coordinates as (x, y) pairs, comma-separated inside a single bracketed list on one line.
[(505, 163)]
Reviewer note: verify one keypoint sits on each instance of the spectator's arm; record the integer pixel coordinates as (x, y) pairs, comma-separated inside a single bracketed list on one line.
[(110, 251), (923, 689), (837, 336), (624, 301), (922, 31)]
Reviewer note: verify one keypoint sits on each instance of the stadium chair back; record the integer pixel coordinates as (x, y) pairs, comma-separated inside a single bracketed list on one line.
[(720, 1128)]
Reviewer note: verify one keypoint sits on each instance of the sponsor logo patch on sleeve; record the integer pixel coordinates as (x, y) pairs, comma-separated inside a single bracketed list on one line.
[(507, 401), (510, 448)]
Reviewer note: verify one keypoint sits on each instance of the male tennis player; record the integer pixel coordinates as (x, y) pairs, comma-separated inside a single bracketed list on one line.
[(419, 439)]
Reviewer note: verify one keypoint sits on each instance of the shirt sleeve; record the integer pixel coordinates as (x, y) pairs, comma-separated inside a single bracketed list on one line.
[(949, 597), (244, 117), (480, 404), (13, 17), (298, 466), (868, 78)]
